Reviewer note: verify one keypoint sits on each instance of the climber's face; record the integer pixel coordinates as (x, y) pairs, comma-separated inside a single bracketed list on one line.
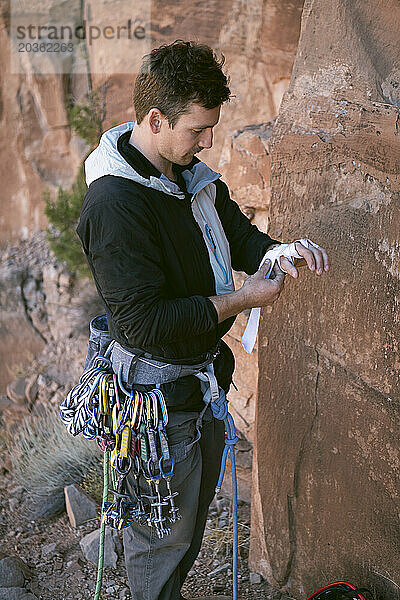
[(192, 132)]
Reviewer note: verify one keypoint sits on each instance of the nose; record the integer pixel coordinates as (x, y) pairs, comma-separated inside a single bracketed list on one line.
[(206, 138)]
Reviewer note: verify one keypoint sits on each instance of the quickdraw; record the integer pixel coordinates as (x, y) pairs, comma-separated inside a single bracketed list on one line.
[(131, 426)]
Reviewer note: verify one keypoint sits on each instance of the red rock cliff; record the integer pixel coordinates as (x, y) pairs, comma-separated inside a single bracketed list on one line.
[(326, 497)]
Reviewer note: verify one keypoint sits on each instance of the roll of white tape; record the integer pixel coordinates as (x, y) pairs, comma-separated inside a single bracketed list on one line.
[(289, 251)]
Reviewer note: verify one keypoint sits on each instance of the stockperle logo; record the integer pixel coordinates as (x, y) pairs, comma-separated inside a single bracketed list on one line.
[(73, 36)]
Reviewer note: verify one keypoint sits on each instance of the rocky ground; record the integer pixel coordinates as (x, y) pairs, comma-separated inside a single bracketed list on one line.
[(55, 568)]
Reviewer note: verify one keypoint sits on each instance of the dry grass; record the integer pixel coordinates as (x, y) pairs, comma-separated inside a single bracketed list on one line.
[(19, 369), (220, 539), (46, 458), (92, 483)]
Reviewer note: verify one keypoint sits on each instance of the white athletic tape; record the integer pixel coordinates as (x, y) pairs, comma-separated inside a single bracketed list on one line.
[(289, 251)]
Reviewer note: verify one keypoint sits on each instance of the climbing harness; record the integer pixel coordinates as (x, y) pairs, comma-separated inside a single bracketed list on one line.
[(289, 251), (130, 428), (341, 590)]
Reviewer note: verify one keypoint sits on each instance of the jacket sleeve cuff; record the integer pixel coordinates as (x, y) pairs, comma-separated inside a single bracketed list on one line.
[(212, 311)]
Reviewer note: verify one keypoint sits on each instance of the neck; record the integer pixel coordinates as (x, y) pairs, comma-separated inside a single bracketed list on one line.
[(146, 147)]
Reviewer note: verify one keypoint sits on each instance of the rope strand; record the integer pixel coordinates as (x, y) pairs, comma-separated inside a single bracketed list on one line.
[(102, 528)]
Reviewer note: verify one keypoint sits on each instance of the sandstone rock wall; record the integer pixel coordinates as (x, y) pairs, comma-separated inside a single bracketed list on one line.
[(246, 167), (326, 499), (259, 40), (37, 148)]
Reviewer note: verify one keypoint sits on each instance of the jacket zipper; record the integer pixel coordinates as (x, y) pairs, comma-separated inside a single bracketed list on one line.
[(214, 249)]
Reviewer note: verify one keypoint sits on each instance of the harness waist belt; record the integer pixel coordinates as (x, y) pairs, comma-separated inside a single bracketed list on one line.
[(136, 368)]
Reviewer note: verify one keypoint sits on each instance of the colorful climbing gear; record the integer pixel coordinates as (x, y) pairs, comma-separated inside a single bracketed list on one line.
[(132, 426), (341, 590)]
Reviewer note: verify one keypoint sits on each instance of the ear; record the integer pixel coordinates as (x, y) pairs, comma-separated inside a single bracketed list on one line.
[(155, 119)]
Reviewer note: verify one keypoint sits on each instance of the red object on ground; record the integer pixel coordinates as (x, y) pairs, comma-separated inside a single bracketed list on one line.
[(333, 592)]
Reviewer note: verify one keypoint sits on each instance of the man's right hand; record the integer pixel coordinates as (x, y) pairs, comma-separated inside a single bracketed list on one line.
[(259, 291), (255, 291)]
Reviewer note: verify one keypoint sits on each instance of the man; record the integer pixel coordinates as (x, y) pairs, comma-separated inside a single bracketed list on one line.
[(162, 235)]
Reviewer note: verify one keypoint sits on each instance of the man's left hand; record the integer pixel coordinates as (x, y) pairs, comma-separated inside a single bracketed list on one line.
[(315, 257)]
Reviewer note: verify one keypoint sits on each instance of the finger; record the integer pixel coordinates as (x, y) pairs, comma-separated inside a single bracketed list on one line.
[(265, 269), (265, 265), (277, 269), (319, 263), (321, 258), (288, 267), (306, 254), (279, 277), (325, 259)]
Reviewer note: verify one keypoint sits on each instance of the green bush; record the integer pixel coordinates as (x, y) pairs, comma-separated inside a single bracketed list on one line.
[(63, 214), (86, 120)]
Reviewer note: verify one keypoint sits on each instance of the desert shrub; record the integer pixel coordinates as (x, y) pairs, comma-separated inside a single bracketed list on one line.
[(220, 537), (63, 214), (86, 120), (93, 484), (46, 458)]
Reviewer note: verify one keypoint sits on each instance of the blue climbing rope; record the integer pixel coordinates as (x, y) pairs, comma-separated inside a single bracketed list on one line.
[(220, 411)]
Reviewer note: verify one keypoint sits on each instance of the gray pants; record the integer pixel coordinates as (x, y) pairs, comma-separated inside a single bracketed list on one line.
[(157, 568)]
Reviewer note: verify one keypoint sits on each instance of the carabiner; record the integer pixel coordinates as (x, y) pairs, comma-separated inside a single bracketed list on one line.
[(150, 473), (171, 472), (121, 471)]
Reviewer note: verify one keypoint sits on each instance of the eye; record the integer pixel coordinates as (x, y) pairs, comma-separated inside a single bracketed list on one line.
[(196, 130)]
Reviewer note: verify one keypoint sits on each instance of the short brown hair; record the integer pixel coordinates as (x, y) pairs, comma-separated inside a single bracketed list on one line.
[(175, 75)]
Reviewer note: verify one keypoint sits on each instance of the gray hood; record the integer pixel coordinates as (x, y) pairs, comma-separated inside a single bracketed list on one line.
[(107, 160)]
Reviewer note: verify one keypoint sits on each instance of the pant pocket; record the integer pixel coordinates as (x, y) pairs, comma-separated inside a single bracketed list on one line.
[(181, 432), (179, 451)]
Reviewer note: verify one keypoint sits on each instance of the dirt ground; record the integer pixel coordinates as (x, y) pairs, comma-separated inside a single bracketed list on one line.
[(59, 570)]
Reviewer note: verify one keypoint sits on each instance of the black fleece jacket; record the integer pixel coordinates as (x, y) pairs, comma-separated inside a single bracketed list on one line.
[(152, 270)]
